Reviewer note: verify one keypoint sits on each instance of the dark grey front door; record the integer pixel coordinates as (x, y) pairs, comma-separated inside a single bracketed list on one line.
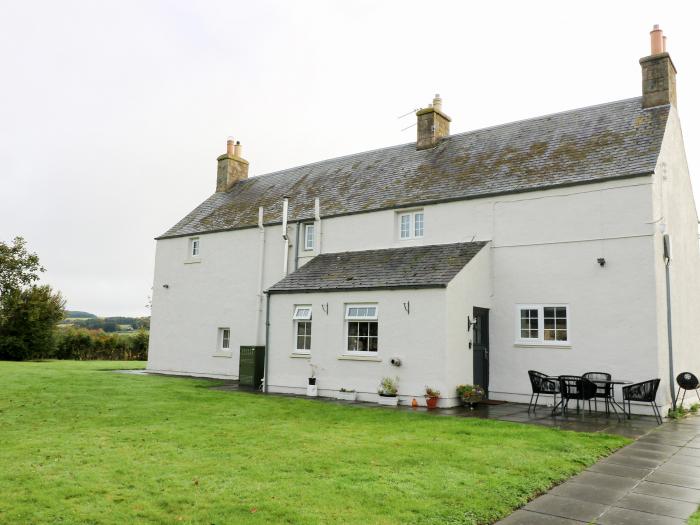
[(480, 344)]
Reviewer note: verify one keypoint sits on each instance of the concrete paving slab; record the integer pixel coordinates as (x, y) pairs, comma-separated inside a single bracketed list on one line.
[(566, 508), (618, 516), (637, 461), (605, 481), (526, 517), (679, 468), (674, 479), (619, 470), (668, 491), (656, 505), (589, 492)]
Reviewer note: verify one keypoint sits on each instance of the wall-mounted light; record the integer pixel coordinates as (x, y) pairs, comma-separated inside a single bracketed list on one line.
[(324, 307), (166, 286), (407, 307), (470, 323), (601, 261)]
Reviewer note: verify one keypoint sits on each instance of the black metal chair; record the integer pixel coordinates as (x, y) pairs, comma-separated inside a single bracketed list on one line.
[(687, 381), (578, 388), (604, 390), (541, 385), (644, 392)]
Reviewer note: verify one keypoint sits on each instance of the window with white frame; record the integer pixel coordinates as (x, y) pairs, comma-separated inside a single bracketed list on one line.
[(543, 324), (194, 247), (362, 328), (224, 339), (411, 225), (309, 236), (302, 328)]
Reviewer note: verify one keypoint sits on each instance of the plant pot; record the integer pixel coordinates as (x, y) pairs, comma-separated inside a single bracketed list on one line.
[(312, 381), (312, 390), (471, 402), (431, 402), (347, 396), (390, 401)]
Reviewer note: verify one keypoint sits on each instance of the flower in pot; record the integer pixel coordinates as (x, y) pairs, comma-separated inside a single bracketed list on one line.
[(431, 397), (388, 391), (311, 389), (470, 394)]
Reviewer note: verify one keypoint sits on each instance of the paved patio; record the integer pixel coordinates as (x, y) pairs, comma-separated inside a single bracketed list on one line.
[(654, 481)]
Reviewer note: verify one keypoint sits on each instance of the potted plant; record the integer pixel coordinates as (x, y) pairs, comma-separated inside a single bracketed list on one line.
[(311, 389), (388, 391), (470, 394), (431, 397), (346, 394)]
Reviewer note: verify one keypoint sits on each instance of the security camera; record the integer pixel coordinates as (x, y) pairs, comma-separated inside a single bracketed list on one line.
[(395, 361)]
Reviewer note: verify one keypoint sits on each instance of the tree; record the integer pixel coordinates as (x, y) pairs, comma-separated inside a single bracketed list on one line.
[(27, 320), (28, 313), (18, 267)]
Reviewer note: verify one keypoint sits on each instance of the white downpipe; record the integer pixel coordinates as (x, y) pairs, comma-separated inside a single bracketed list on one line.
[(285, 210), (317, 218), (261, 270)]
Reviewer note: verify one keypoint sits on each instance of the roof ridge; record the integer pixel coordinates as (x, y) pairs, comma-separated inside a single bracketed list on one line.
[(397, 146)]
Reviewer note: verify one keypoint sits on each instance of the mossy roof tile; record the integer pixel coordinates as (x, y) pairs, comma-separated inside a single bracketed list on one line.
[(597, 143), (431, 266)]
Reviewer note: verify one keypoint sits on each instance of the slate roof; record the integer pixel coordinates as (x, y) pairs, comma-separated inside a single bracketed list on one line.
[(597, 143), (414, 267)]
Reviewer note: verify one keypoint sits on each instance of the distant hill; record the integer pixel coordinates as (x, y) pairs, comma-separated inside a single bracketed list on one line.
[(75, 314), (107, 324)]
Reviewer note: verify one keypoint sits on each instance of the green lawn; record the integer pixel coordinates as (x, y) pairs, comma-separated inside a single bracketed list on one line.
[(79, 444)]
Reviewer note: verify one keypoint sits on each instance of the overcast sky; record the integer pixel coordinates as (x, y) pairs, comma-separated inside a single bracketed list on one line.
[(112, 114)]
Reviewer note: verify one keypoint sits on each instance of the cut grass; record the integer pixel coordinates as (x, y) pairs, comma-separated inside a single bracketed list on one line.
[(80, 444)]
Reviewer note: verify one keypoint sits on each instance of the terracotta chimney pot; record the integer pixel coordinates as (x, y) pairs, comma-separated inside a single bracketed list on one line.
[(657, 40), (230, 147)]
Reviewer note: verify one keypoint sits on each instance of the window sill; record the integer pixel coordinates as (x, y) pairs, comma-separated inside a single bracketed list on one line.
[(299, 355), (193, 261), (542, 345), (222, 354), (351, 357)]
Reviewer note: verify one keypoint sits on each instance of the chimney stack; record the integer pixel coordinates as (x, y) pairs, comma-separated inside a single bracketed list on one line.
[(658, 73), (433, 125), (232, 167)]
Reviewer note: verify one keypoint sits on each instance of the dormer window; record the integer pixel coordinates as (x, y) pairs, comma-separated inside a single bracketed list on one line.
[(411, 225)]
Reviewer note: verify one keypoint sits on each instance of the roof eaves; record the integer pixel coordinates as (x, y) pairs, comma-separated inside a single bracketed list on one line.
[(421, 203)]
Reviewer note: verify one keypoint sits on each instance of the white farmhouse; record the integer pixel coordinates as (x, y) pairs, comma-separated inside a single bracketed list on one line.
[(547, 244)]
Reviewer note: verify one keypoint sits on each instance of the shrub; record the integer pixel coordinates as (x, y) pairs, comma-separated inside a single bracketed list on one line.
[(28, 318), (84, 344)]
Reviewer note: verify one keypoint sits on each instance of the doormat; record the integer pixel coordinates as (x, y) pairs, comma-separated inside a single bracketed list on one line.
[(492, 402)]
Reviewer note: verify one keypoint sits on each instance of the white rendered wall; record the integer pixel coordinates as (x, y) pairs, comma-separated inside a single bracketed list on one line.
[(675, 212), (418, 338), (544, 249), (471, 287)]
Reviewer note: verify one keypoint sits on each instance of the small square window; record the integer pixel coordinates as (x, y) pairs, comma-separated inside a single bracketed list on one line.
[(411, 225)]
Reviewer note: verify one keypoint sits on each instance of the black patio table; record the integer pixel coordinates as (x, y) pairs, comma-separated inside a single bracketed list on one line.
[(611, 382)]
